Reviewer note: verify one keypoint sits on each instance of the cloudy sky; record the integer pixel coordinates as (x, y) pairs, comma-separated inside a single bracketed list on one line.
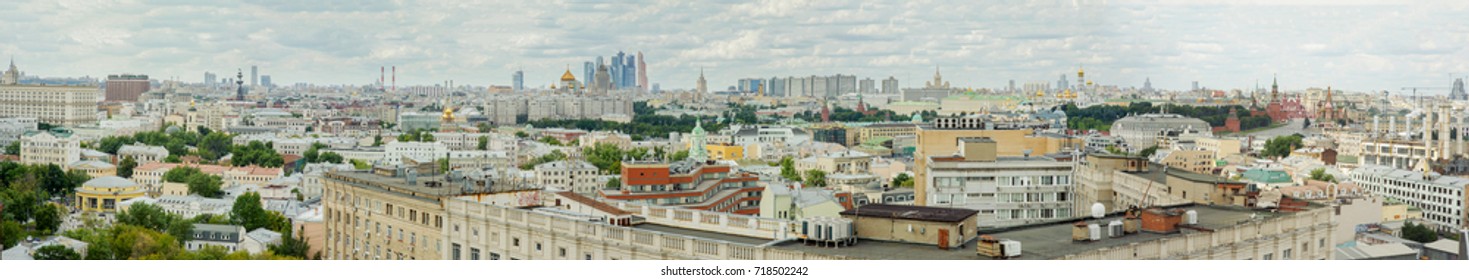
[(1353, 44)]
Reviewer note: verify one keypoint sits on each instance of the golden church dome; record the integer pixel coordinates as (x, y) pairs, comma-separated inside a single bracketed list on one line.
[(567, 77)]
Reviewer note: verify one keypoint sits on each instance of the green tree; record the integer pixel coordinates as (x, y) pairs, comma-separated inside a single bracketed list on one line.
[(679, 155), (152, 217), (125, 168), (248, 212), (1281, 146), (172, 159), (293, 246), (1419, 233), (816, 178), (484, 143), (613, 184), (205, 185), (180, 174), (1148, 152), (360, 165), (902, 180), (518, 134), (313, 154), (550, 140), (214, 145), (1319, 174), (788, 169), (377, 140), (13, 149), (47, 217), (10, 233), (331, 157), (56, 252)]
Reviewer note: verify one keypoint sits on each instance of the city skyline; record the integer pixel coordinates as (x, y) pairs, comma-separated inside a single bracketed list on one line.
[(1363, 46)]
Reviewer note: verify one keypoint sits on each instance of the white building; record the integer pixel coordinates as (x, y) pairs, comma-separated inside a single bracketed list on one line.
[(576, 176), (259, 240), (187, 206), (418, 151), (227, 236), (47, 147), (1440, 197), (1007, 191), (59, 105), (143, 153), (11, 129)]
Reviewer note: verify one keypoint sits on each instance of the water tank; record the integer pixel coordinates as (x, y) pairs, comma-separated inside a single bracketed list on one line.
[(1191, 217), (1114, 229), (1098, 211), (1094, 232)]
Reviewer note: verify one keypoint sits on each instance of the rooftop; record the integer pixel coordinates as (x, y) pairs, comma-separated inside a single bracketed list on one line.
[(703, 234), (1040, 242), (920, 213)]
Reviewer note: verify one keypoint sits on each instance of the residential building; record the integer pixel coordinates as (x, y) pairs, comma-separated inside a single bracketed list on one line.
[(1440, 197), (1141, 131), (688, 184), (11, 129), (1196, 161), (224, 236), (787, 202), (142, 153), (259, 240), (57, 105), (936, 141), (1005, 191), (126, 87), (94, 168), (57, 147), (394, 213), (186, 206), (576, 176)]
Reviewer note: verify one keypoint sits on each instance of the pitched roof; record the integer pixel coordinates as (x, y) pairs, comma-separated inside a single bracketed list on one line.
[(600, 206)]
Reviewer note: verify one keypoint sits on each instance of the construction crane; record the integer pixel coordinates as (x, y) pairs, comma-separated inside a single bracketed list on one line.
[(1415, 92)]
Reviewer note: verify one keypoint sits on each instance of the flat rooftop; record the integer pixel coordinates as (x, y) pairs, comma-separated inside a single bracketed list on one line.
[(738, 239), (1039, 242)]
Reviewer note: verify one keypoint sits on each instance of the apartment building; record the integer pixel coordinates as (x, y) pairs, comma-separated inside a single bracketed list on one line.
[(1441, 197), (576, 176), (393, 213), (57, 147), (690, 184), (57, 105), (1006, 191)]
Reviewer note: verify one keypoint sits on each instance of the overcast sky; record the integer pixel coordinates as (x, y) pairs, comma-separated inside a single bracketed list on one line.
[(1353, 45)]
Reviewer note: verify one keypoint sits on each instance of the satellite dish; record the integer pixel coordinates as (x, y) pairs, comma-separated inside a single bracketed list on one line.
[(1098, 210)]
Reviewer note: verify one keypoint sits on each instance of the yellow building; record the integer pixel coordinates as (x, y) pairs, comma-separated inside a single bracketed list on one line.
[(725, 151), (94, 169), (103, 194)]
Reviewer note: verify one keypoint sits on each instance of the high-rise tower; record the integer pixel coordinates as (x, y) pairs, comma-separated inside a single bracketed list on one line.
[(701, 86), (240, 85), (519, 80), (254, 75), (642, 72)]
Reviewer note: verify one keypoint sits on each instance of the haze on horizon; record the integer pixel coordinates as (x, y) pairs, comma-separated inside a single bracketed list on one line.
[(1350, 45)]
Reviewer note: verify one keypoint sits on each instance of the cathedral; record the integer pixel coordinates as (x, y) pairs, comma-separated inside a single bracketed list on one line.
[(1283, 109)]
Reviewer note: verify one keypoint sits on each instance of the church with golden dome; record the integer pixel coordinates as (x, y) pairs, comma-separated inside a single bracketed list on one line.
[(568, 84)]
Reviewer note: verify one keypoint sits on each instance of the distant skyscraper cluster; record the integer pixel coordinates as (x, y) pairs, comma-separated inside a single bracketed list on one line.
[(210, 79), (624, 72), (254, 75)]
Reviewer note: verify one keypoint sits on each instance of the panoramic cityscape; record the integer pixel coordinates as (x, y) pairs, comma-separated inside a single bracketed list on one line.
[(765, 130)]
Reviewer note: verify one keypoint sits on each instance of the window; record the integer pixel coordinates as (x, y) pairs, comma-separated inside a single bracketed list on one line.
[(538, 246), (589, 257), (561, 252), (1285, 255), (494, 256), (1267, 257), (474, 253), (515, 242), (455, 256)]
